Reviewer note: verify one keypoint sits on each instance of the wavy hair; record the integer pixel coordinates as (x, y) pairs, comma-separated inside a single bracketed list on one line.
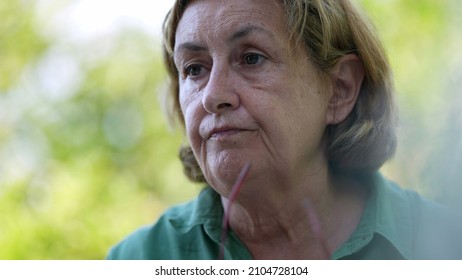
[(329, 29)]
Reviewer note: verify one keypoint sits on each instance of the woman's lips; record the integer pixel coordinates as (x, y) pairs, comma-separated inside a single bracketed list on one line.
[(222, 133)]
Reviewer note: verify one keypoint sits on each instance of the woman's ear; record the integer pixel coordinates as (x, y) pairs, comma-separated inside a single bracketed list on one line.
[(347, 78)]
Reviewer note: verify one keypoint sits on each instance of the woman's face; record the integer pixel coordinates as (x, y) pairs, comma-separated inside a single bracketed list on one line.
[(245, 95)]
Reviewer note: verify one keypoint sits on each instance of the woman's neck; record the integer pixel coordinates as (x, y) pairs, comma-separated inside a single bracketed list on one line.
[(305, 221)]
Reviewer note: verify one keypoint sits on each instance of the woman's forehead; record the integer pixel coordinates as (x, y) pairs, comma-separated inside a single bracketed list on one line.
[(219, 17)]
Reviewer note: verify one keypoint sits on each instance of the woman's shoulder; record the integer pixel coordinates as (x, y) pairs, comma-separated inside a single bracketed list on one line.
[(435, 229)]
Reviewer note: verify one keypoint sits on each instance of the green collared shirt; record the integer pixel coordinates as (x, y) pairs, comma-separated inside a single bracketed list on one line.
[(396, 224)]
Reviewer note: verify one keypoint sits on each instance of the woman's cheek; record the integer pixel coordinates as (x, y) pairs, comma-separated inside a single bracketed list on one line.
[(189, 105), (192, 119)]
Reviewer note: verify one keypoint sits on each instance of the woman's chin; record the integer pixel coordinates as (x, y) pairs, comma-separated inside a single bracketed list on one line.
[(223, 174)]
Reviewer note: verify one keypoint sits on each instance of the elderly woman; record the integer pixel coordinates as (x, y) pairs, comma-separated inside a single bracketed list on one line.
[(288, 109)]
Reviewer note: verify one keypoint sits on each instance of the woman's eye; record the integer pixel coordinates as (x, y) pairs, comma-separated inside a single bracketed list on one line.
[(252, 58), (193, 70)]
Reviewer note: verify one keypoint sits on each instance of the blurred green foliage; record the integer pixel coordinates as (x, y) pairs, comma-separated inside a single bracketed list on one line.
[(19, 41), (86, 156), (423, 40)]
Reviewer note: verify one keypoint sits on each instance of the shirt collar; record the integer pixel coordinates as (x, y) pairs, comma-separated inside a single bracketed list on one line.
[(206, 211), (388, 213), (394, 220)]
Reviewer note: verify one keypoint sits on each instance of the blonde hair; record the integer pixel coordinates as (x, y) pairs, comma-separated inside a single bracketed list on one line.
[(329, 29)]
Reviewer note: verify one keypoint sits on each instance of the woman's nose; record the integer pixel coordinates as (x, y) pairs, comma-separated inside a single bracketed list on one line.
[(219, 94)]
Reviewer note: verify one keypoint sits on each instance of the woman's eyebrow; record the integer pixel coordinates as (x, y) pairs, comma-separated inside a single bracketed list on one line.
[(244, 31), (190, 47), (240, 33), (186, 47)]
